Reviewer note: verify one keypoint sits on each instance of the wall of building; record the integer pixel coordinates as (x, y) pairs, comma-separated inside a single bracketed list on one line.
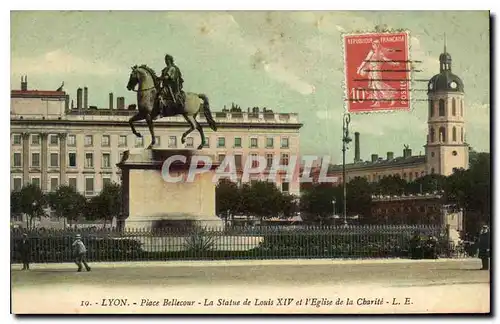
[(41, 107), (73, 129)]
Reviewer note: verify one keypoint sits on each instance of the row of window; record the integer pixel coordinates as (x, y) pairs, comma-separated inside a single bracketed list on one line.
[(54, 160), (284, 159), (442, 134), (139, 141), (54, 183), (106, 160), (442, 108)]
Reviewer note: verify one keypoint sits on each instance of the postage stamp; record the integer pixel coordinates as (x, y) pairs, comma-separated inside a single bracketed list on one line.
[(377, 73)]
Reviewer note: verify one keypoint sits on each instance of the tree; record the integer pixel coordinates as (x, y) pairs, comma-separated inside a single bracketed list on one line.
[(106, 205), (227, 197), (390, 185), (265, 199), (15, 207), (359, 197), (67, 202), (30, 201), (427, 184), (288, 205), (471, 190), (316, 203)]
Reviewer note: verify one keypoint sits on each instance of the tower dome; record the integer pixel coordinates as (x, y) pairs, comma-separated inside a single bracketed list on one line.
[(445, 81)]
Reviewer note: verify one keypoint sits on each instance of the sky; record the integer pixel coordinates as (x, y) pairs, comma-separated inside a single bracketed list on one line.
[(287, 61)]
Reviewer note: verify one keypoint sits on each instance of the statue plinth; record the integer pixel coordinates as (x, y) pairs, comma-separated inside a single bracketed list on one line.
[(148, 197)]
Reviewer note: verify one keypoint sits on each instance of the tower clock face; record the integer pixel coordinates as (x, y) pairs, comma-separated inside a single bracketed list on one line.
[(453, 85)]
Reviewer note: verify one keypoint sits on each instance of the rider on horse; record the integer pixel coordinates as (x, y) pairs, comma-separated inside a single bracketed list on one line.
[(171, 86)]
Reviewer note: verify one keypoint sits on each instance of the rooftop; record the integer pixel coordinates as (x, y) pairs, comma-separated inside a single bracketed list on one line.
[(397, 161), (36, 94)]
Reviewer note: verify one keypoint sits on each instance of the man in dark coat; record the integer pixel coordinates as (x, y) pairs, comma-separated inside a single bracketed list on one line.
[(483, 245), (25, 251)]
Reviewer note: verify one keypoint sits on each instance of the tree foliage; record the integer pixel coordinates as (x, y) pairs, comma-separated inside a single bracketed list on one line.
[(469, 189), (31, 201), (261, 198), (67, 202), (106, 205)]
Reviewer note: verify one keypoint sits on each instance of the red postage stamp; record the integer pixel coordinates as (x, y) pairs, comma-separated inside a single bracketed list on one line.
[(377, 72)]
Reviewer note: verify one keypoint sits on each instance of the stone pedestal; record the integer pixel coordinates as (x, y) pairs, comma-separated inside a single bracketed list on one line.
[(148, 198)]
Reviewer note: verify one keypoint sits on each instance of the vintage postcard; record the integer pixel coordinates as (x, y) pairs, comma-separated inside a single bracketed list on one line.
[(250, 162)]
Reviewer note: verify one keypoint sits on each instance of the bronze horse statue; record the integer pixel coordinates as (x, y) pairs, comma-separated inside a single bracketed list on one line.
[(149, 106)]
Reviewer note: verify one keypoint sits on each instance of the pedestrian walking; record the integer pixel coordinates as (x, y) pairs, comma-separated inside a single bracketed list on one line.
[(483, 245), (80, 252), (25, 251)]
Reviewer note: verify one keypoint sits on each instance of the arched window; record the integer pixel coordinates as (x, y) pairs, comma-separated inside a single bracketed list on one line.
[(454, 134), (453, 107), (441, 107), (431, 108), (462, 134), (442, 134), (461, 108), (433, 135)]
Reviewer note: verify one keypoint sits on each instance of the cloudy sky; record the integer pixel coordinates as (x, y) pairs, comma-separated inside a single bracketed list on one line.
[(285, 61)]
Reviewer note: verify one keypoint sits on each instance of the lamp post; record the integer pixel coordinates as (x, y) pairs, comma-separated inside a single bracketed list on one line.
[(33, 213), (345, 142), (333, 202)]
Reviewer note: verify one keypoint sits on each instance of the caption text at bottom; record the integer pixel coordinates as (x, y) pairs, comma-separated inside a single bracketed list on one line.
[(254, 302)]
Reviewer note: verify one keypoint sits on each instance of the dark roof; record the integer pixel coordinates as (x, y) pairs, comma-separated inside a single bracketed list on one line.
[(398, 161), (443, 82), (36, 94)]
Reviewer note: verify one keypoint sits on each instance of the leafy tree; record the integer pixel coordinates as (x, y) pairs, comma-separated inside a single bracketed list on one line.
[(106, 205), (471, 189), (427, 184), (15, 206), (227, 197), (288, 205), (263, 199), (359, 198), (30, 201), (67, 202), (390, 185), (316, 203)]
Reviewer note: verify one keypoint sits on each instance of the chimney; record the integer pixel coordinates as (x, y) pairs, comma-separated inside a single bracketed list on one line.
[(356, 148), (374, 157), (390, 155), (66, 102), (85, 97), (79, 98), (24, 83), (120, 103), (406, 152), (110, 100)]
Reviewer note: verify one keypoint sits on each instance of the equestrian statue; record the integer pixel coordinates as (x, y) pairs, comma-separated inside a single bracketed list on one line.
[(163, 96)]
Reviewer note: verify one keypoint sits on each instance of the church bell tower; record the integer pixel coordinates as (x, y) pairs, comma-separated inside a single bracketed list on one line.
[(446, 148)]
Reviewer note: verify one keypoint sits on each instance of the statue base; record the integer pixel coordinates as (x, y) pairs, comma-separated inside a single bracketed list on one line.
[(150, 202)]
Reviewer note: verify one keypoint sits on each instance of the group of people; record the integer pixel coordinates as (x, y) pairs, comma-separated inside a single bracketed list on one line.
[(79, 252)]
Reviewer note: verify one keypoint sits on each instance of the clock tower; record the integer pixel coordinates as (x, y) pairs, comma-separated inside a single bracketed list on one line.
[(446, 148)]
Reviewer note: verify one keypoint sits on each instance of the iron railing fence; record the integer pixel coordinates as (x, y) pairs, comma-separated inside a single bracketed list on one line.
[(263, 242)]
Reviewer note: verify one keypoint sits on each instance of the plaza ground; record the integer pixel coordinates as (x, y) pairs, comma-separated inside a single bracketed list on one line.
[(444, 285)]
